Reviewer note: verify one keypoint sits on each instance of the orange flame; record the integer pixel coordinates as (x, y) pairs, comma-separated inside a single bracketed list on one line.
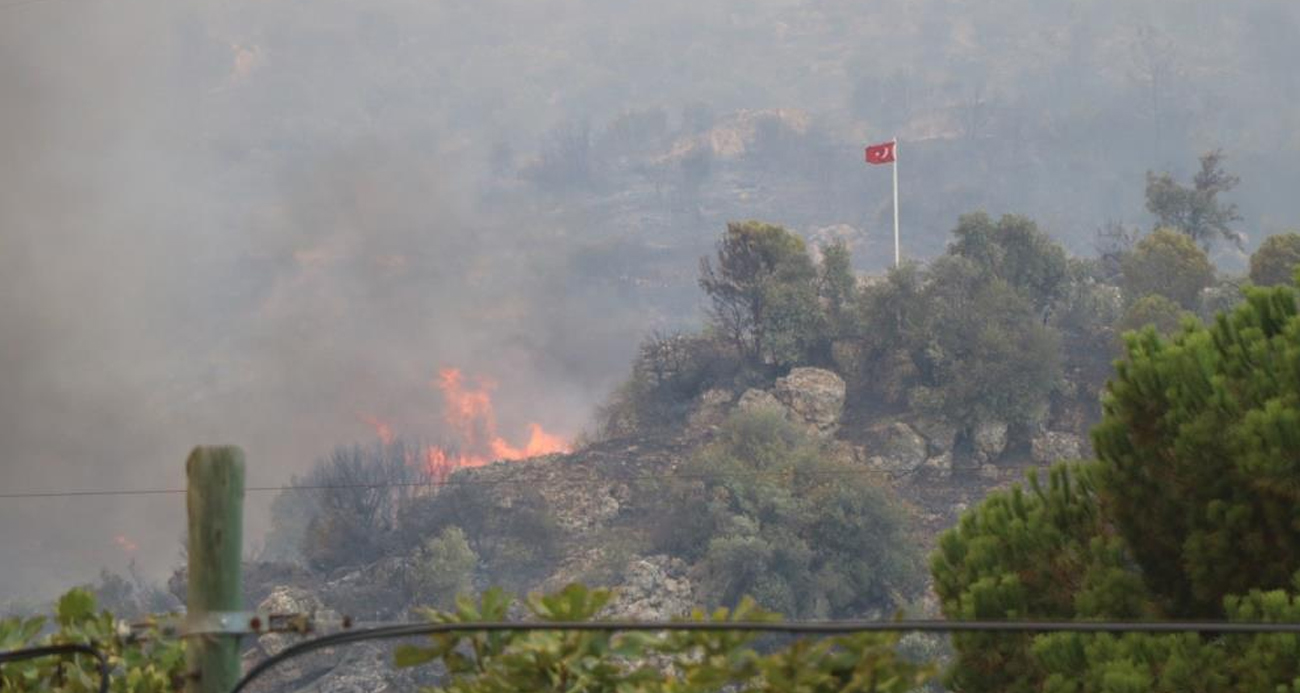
[(469, 412), (383, 430), (125, 544)]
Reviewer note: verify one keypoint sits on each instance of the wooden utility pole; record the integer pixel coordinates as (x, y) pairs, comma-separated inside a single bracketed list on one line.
[(215, 503)]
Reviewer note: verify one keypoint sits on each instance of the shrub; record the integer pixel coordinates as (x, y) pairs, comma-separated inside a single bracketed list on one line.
[(444, 568), (1276, 260), (355, 496), (766, 511), (150, 666), (515, 537), (1167, 263), (602, 662)]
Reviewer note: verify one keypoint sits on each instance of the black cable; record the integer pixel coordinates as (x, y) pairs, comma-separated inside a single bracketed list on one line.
[(793, 628), (53, 650)]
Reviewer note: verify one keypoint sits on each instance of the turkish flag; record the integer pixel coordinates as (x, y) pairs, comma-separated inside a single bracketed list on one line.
[(880, 153)]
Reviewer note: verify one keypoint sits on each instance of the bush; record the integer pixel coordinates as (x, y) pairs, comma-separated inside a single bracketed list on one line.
[(514, 536), (150, 666), (1014, 250), (765, 511), (1276, 260), (351, 501), (444, 568), (985, 355), (602, 662), (1154, 311), (670, 371), (1167, 263)]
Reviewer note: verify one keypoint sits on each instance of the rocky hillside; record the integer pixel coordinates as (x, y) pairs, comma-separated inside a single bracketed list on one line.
[(596, 497)]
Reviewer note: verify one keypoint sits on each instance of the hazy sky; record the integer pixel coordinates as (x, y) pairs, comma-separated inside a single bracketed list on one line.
[(259, 221)]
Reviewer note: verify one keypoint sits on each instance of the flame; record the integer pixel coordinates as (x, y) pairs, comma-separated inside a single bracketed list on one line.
[(383, 430), (125, 544), (469, 413)]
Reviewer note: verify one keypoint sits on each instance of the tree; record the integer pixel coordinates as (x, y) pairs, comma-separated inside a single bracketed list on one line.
[(1042, 552), (1196, 211), (985, 355), (836, 284), (676, 662), (1015, 250), (763, 294), (766, 511), (356, 496), (1086, 314), (1276, 260), (1188, 513), (1198, 440), (1169, 264), (1154, 311)]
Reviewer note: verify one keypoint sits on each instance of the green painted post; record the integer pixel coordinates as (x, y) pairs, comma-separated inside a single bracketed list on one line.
[(215, 503)]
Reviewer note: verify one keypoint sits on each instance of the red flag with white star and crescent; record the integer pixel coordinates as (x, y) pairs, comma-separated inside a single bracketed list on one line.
[(882, 153)]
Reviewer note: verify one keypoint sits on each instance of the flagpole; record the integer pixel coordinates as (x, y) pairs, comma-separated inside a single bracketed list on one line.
[(896, 253)]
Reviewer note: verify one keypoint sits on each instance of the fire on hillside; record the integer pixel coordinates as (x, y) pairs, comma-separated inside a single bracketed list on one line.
[(469, 414)]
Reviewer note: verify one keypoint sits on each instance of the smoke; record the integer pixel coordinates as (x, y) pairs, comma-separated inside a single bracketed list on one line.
[(165, 282), (260, 221)]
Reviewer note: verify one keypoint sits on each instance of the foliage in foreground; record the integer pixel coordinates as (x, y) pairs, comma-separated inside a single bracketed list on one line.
[(152, 666), (675, 662)]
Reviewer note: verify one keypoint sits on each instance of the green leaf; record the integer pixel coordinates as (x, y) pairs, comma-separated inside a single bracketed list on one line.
[(76, 606), (412, 655)]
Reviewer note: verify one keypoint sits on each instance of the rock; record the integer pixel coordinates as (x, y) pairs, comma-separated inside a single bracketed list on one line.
[(895, 447), (940, 465), (654, 588), (755, 399), (1054, 446), (814, 396), (286, 600), (990, 471), (710, 409), (990, 441), (375, 592), (844, 452), (939, 434)]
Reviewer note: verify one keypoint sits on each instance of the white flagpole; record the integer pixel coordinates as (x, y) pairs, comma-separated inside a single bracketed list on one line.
[(896, 253)]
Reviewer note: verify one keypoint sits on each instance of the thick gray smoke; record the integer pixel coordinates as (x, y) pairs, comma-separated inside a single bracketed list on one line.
[(260, 221)]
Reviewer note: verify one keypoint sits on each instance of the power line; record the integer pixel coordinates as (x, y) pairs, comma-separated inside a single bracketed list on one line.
[(437, 483), (407, 630)]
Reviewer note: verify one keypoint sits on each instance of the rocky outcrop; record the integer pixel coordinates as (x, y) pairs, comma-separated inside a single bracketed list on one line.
[(939, 434), (286, 600), (814, 396), (364, 667), (654, 588), (990, 441), (1054, 446), (755, 399), (939, 465), (895, 448), (711, 409)]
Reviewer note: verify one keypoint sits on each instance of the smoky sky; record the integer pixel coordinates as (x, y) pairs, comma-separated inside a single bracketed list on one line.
[(259, 221)]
